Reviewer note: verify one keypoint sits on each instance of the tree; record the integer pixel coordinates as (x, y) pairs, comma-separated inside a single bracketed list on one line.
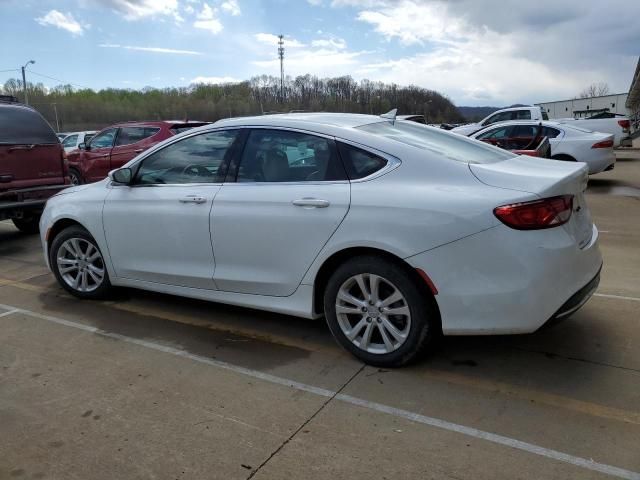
[(595, 90)]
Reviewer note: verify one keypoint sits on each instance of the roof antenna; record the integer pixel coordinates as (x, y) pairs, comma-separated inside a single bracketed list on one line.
[(390, 115)]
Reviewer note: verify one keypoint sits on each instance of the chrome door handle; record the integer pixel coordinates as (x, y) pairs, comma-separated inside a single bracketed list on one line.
[(311, 202), (193, 199)]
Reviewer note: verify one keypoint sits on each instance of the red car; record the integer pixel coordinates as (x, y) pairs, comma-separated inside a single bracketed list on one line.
[(114, 146)]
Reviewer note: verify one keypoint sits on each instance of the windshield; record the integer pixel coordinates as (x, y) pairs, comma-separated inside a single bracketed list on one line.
[(450, 145)]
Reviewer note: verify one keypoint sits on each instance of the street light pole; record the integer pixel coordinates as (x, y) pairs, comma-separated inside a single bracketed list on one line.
[(24, 81)]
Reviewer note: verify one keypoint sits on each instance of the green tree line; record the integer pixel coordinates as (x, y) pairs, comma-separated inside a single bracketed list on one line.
[(86, 109)]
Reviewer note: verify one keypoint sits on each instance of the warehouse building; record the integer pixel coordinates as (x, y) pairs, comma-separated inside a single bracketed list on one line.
[(633, 101), (586, 107)]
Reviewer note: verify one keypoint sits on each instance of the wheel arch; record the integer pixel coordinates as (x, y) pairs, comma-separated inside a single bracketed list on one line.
[(58, 226), (337, 258)]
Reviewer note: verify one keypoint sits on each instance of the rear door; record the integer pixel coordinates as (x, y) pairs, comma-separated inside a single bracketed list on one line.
[(267, 227), (30, 152), (130, 142), (96, 158)]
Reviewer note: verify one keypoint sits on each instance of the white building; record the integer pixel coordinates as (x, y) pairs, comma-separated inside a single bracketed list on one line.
[(585, 107), (633, 100)]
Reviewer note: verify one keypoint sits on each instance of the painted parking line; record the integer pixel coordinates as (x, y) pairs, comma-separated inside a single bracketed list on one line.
[(378, 407), (617, 297)]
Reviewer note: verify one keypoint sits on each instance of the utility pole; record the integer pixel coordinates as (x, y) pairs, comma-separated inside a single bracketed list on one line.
[(281, 56), (24, 81), (55, 109)]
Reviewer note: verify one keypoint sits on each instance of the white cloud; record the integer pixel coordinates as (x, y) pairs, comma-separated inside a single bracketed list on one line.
[(315, 3), (206, 20), (337, 43), (151, 49), (139, 9), (213, 80), (231, 7), (60, 20), (272, 40)]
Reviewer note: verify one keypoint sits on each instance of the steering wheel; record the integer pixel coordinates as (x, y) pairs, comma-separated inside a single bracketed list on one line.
[(196, 170)]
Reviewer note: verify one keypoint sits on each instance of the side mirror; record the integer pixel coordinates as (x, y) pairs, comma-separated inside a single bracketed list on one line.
[(121, 176)]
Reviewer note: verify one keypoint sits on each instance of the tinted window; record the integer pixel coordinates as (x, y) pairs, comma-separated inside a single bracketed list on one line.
[(359, 163), (103, 139), (525, 131), (550, 132), (437, 141), (179, 128), (283, 156), (199, 159), (522, 115), (70, 141), (129, 135), (498, 117), (21, 125), (499, 132)]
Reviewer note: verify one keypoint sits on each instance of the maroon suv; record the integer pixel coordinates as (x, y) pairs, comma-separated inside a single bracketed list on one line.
[(33, 165), (114, 146)]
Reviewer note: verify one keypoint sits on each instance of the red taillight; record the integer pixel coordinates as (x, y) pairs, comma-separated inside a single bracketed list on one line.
[(603, 144), (538, 214), (625, 124)]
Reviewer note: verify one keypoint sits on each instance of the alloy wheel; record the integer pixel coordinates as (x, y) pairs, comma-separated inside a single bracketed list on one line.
[(372, 313), (80, 264)]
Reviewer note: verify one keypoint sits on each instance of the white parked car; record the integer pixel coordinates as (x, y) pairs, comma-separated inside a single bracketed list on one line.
[(503, 115), (73, 139), (567, 142), (394, 231)]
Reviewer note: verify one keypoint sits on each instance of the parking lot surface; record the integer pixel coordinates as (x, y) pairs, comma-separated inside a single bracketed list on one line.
[(152, 386)]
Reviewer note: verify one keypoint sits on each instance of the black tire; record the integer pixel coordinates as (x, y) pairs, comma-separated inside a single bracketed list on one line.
[(77, 232), (563, 157), (30, 224), (424, 324), (76, 178)]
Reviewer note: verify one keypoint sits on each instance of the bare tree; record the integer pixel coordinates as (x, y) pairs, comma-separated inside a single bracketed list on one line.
[(595, 90)]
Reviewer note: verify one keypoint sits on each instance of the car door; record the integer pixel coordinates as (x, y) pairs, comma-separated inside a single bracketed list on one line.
[(130, 142), (157, 228), (96, 158), (277, 209)]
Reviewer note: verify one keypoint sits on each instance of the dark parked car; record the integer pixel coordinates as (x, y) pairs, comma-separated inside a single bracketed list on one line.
[(114, 146), (33, 165)]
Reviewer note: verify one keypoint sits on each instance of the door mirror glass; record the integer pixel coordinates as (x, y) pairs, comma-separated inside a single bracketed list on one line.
[(121, 176)]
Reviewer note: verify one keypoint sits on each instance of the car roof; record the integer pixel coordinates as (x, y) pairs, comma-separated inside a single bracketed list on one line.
[(322, 122)]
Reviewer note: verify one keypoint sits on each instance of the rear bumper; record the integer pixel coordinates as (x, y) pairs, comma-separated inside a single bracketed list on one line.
[(576, 301), (504, 281)]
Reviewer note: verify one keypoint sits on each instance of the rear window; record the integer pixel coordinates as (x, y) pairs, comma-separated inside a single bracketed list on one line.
[(20, 125), (437, 141), (183, 127)]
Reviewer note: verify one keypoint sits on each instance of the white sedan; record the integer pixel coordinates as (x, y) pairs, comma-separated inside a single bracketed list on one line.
[(567, 142), (394, 231), (73, 139)]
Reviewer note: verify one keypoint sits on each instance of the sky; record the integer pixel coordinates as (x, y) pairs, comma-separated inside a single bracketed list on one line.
[(474, 52)]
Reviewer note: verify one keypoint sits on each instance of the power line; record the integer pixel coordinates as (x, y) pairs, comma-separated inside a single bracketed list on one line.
[(10, 70), (57, 79)]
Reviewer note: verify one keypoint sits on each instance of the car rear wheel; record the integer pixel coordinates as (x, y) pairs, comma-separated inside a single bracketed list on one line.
[(27, 224), (75, 177), (78, 264), (379, 312)]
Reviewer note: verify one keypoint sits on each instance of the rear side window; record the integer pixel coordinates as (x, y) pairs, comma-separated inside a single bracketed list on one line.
[(179, 128), (359, 163), (522, 115), (550, 132), (129, 135), (21, 125), (439, 142)]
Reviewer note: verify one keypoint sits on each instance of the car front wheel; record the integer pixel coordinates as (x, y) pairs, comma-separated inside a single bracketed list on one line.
[(78, 264), (378, 311)]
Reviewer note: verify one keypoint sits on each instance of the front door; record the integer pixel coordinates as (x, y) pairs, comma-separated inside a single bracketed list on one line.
[(96, 158), (289, 195), (157, 229)]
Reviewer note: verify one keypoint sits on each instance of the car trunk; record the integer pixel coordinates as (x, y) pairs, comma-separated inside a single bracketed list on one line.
[(544, 178)]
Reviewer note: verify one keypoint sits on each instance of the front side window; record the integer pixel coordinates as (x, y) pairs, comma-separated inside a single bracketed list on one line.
[(272, 155), (129, 135), (103, 139), (496, 133), (70, 141), (201, 158), (498, 117)]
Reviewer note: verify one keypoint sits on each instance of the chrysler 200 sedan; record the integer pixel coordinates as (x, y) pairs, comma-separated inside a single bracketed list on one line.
[(395, 232)]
